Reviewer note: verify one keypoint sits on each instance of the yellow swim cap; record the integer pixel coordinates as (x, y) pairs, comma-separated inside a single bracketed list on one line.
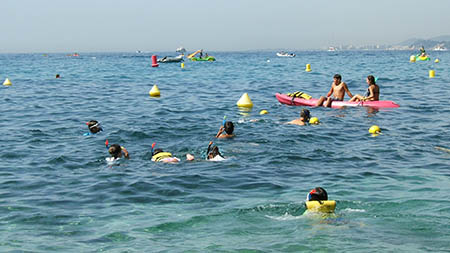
[(314, 120), (263, 112)]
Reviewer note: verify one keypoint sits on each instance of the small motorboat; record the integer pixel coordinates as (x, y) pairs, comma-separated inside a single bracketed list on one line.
[(284, 54), (168, 59)]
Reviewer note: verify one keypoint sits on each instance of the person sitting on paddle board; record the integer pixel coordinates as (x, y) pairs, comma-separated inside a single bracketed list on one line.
[(228, 128), (94, 127), (338, 89), (372, 94), (116, 151), (304, 118), (422, 52), (213, 154)]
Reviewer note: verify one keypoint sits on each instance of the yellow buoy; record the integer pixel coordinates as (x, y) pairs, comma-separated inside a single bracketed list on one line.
[(7, 82), (154, 92), (182, 65), (431, 73), (308, 67), (314, 121), (412, 58), (437, 60), (263, 112), (245, 101), (374, 129)]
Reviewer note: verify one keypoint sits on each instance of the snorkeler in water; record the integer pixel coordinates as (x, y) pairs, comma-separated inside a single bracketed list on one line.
[(159, 155), (94, 127), (228, 128), (116, 151), (213, 153)]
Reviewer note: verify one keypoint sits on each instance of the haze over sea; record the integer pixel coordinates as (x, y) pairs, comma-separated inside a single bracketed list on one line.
[(58, 194)]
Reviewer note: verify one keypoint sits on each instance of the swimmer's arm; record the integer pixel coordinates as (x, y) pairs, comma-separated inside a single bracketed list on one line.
[(220, 131), (125, 152), (371, 95), (331, 91), (347, 90)]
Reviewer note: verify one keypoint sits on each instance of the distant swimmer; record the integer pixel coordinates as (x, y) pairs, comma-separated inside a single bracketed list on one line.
[(159, 155), (57, 76), (116, 151), (94, 127), (372, 94), (228, 128), (304, 118), (213, 153), (338, 90)]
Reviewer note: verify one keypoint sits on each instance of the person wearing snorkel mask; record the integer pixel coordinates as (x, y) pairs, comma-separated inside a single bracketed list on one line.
[(116, 151), (304, 118), (228, 128), (213, 153), (94, 127)]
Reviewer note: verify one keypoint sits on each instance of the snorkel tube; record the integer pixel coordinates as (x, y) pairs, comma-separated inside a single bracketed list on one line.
[(224, 120), (209, 149), (153, 146)]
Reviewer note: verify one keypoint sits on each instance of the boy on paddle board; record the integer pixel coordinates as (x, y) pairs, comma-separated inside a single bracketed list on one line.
[(338, 89)]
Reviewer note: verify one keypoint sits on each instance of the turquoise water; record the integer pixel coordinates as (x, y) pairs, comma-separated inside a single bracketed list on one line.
[(57, 194)]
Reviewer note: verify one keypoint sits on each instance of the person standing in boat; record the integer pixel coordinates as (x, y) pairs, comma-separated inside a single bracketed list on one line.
[(201, 54), (338, 90), (422, 51), (372, 94)]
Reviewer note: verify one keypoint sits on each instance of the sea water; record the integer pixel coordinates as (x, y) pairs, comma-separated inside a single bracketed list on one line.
[(58, 193)]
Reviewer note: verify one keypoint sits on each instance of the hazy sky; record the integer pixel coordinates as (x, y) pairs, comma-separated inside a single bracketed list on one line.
[(225, 25)]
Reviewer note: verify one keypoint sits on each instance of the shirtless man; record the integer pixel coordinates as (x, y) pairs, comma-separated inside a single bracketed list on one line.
[(338, 89)]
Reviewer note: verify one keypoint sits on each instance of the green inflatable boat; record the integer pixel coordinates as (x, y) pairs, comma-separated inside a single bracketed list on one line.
[(207, 58)]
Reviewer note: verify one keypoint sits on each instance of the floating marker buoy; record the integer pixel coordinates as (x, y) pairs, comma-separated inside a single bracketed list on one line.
[(412, 58), (308, 67), (314, 121), (431, 73), (263, 112), (154, 92), (154, 61), (182, 65), (437, 60), (245, 101), (374, 129), (7, 82)]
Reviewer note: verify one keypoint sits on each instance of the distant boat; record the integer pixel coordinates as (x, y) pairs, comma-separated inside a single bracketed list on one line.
[(440, 48), (284, 54), (332, 49), (181, 50), (168, 59), (138, 51)]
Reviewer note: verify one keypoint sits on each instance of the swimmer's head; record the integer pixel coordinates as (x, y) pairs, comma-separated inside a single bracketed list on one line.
[(229, 127), (214, 152), (305, 115), (156, 151), (317, 193), (94, 126), (337, 77), (115, 150)]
